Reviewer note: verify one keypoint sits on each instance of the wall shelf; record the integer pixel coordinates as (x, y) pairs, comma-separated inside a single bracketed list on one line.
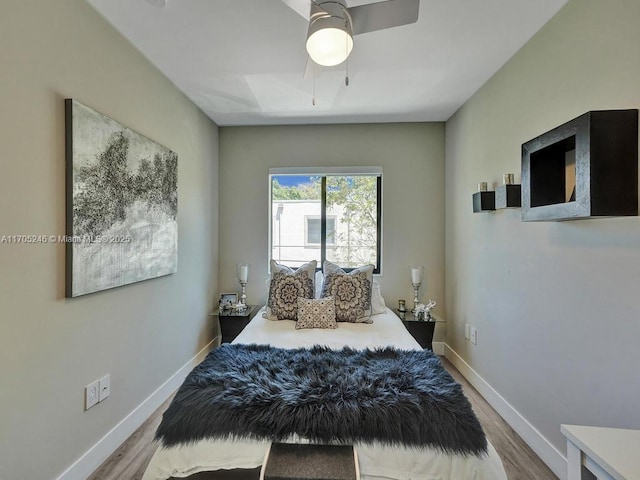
[(484, 202), (508, 196), (587, 167)]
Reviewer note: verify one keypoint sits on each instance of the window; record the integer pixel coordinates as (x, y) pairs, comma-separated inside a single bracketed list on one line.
[(326, 215), (314, 230)]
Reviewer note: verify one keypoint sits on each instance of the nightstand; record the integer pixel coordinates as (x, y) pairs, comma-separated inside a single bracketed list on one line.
[(421, 330), (232, 322), (607, 453)]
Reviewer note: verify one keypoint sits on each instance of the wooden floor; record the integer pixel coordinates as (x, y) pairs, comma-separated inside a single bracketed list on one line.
[(518, 459), (131, 459)]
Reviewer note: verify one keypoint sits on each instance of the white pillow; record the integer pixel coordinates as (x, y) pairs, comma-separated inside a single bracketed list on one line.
[(318, 284), (377, 302)]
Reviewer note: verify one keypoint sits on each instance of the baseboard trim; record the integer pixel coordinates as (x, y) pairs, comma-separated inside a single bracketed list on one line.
[(98, 453), (439, 348), (538, 443)]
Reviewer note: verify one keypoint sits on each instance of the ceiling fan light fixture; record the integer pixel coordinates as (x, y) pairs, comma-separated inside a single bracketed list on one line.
[(329, 39)]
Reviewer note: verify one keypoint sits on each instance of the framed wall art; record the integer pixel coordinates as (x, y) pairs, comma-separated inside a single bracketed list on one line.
[(122, 204)]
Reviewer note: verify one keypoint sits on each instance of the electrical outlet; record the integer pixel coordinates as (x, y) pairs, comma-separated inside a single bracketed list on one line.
[(474, 335), (91, 394), (466, 331), (105, 387)]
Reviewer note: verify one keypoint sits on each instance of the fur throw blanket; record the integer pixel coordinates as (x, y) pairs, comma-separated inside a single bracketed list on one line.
[(389, 396)]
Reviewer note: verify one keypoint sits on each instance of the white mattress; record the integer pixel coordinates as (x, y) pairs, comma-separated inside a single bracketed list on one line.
[(386, 329), (376, 461)]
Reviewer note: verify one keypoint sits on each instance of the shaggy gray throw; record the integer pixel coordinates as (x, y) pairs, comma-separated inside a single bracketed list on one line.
[(348, 396)]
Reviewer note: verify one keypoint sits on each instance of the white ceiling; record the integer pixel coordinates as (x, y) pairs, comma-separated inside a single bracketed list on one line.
[(242, 61)]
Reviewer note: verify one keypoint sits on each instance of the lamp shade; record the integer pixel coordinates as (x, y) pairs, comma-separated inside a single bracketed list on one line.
[(329, 46), (329, 38)]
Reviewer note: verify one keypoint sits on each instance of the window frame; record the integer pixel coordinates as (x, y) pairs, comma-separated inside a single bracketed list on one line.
[(324, 173)]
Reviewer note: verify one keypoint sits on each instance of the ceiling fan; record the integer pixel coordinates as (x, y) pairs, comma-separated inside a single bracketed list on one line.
[(332, 24)]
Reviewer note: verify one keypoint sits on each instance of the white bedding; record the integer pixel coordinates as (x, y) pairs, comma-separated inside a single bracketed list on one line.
[(377, 462)]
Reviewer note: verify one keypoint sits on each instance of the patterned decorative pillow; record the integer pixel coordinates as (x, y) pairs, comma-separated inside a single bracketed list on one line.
[(285, 287), (351, 291), (316, 313)]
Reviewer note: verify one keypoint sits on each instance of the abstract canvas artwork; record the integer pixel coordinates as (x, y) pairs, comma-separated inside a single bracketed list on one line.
[(122, 204)]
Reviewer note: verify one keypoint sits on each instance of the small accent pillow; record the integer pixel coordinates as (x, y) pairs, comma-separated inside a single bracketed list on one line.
[(352, 292), (285, 287), (316, 313)]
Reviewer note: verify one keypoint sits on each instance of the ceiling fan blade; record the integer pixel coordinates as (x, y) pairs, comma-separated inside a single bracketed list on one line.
[(301, 7), (381, 15)]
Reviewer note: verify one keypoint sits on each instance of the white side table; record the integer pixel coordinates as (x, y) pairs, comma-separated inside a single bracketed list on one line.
[(608, 453)]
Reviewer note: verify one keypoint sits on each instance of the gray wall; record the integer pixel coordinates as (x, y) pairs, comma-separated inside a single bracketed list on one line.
[(555, 304), (412, 158), (142, 333)]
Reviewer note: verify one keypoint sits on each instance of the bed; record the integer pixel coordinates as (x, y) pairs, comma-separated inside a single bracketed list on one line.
[(378, 459)]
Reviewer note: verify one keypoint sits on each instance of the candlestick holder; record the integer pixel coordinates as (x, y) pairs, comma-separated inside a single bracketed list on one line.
[(243, 297), (416, 287), (417, 275), (243, 276)]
